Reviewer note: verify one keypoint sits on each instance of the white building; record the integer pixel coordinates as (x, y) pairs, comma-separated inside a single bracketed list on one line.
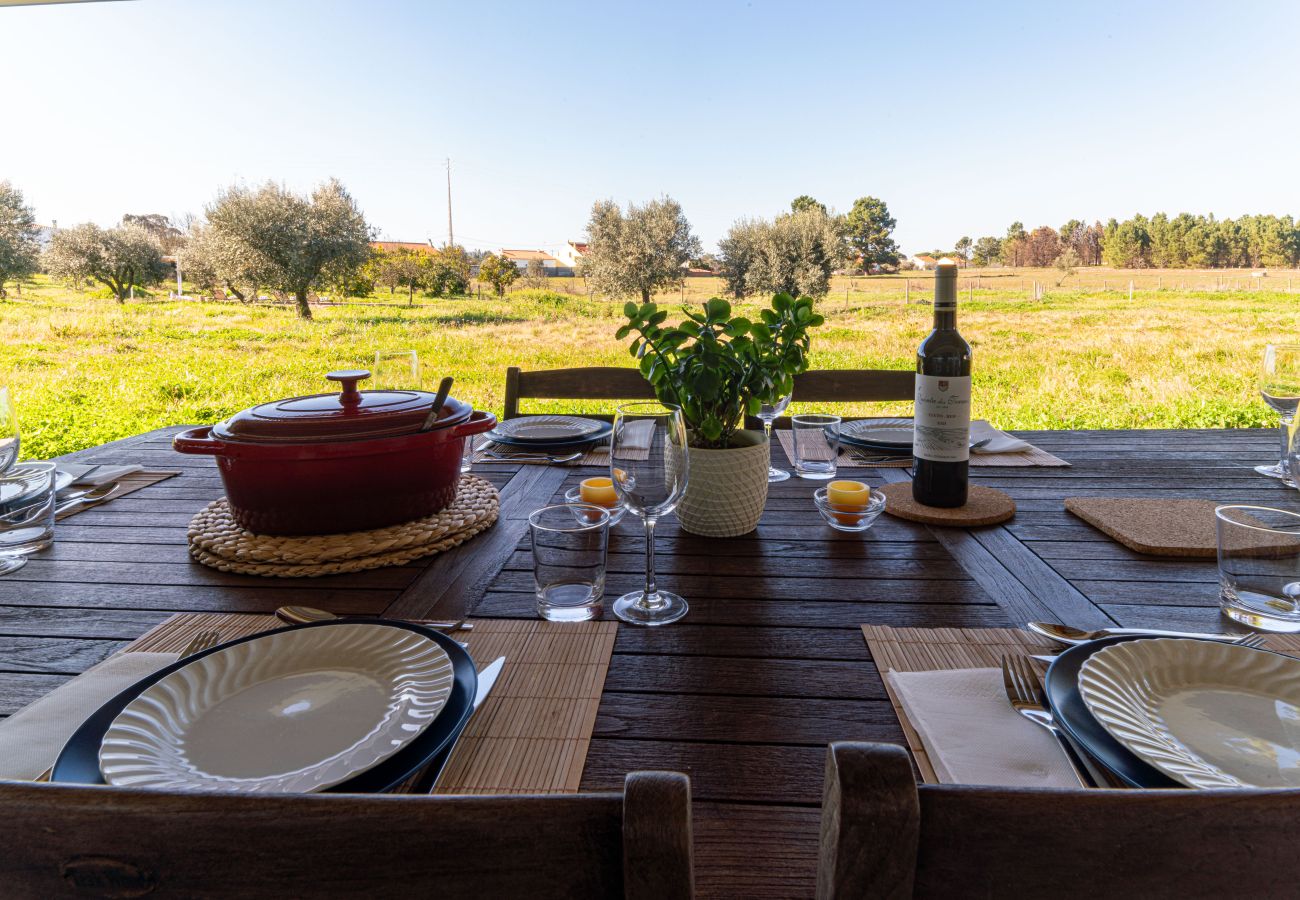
[(571, 253)]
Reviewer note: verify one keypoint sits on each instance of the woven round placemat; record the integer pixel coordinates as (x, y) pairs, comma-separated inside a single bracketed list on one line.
[(217, 540), (984, 506)]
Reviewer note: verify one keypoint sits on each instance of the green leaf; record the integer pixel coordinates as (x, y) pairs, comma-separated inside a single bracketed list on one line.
[(630, 309), (623, 332), (717, 310)]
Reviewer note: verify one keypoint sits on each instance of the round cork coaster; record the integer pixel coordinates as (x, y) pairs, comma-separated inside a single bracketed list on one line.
[(218, 541), (984, 506)]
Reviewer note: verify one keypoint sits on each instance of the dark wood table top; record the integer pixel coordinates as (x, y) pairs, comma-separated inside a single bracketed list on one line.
[(770, 666)]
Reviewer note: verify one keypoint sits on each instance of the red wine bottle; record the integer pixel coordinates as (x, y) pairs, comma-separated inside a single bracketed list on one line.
[(941, 448)]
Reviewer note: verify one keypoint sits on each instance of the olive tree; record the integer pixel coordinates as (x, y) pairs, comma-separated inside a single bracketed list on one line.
[(209, 260), (19, 246), (290, 242), (498, 272), (794, 254), (121, 258), (639, 251)]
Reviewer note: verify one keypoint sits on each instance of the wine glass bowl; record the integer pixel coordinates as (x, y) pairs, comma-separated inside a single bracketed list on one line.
[(396, 370), (649, 466), (1279, 385), (9, 436), (768, 413)]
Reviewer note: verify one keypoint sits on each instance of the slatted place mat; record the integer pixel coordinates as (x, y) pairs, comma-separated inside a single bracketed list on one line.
[(127, 484), (594, 456), (861, 458), (532, 733), (936, 649), (217, 540)]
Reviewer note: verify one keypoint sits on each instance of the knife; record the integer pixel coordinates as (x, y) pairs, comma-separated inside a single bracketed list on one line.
[(486, 679)]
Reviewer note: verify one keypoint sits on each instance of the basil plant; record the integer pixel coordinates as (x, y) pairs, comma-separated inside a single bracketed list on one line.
[(717, 368)]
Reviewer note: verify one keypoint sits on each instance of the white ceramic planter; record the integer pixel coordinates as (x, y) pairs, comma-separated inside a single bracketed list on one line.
[(727, 489)]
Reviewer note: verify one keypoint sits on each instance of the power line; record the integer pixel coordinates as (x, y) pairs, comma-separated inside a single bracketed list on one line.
[(451, 236)]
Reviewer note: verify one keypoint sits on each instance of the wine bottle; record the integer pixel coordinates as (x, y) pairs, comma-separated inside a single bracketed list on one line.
[(941, 448)]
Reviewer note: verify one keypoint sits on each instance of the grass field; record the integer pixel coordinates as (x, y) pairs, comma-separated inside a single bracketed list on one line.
[(86, 370)]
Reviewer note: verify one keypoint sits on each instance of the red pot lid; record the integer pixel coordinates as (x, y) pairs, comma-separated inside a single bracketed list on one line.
[(348, 415)]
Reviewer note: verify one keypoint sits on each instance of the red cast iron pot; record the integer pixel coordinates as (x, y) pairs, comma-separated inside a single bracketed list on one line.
[(331, 463)]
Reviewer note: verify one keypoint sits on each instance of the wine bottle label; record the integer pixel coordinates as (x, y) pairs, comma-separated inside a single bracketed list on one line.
[(942, 418)]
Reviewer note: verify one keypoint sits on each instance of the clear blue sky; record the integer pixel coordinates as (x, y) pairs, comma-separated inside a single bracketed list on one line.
[(961, 116)]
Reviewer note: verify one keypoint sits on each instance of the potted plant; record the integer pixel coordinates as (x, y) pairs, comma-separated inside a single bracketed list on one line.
[(717, 368)]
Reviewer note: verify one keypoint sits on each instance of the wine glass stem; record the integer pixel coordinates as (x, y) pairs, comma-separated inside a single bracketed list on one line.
[(650, 599), (1286, 440)]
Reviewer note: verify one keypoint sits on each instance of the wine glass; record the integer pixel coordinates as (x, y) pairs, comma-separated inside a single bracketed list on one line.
[(648, 464), (396, 370), (768, 413), (8, 430), (1279, 385)]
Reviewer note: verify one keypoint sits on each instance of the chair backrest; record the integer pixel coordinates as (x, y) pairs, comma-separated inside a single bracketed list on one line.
[(885, 836), (614, 383), (61, 840)]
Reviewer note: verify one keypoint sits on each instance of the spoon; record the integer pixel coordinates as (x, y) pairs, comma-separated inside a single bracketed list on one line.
[(444, 388), (84, 498), (1064, 634), (301, 615)]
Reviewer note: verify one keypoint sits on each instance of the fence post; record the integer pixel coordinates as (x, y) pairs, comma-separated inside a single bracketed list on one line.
[(1130, 288), (907, 290)]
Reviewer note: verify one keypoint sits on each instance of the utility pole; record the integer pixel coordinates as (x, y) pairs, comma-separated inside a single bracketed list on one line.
[(451, 236)]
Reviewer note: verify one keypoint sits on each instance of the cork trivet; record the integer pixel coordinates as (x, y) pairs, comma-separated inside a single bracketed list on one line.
[(530, 736), (984, 506), (217, 540), (1181, 528)]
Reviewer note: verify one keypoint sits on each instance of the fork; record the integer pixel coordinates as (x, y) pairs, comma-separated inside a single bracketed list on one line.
[(1026, 696)]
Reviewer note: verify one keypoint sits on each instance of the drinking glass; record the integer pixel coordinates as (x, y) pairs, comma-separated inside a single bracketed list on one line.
[(816, 441), (26, 512), (467, 453), (569, 545), (1279, 385), (649, 476), (1259, 566), (768, 413), (8, 430), (396, 370)]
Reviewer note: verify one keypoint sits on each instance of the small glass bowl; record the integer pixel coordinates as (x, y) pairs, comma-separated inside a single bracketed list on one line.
[(849, 521), (574, 495)]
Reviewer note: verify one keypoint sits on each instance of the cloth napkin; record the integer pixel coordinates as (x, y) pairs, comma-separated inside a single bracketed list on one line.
[(973, 736), (31, 739), (999, 441), (98, 474), (637, 435)]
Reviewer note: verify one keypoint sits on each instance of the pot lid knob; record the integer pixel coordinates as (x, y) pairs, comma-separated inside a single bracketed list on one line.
[(349, 378)]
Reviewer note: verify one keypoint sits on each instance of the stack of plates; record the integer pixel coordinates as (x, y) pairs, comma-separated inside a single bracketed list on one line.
[(877, 434), (1182, 713), (549, 432), (342, 706)]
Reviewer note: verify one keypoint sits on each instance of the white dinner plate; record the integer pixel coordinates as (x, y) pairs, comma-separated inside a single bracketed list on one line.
[(1206, 713), (547, 428), (895, 432), (296, 711), (13, 491)]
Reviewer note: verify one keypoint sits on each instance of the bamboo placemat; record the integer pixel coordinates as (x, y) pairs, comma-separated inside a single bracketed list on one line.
[(532, 733), (127, 484), (847, 460), (936, 649)]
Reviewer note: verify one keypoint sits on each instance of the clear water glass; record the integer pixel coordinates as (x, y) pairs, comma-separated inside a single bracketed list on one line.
[(816, 440), (570, 542), (649, 466), (768, 413), (8, 430), (1279, 385), (467, 453), (396, 370), (1259, 566), (27, 499)]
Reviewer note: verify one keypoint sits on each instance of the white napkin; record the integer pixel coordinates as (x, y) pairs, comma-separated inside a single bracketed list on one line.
[(637, 435), (973, 736), (99, 475), (31, 739), (999, 441)]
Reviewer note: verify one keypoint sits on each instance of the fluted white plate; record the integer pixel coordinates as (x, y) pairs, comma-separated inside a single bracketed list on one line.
[(296, 711), (546, 428), (1206, 713)]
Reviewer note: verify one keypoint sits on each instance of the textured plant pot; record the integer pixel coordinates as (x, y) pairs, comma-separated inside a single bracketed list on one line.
[(727, 489)]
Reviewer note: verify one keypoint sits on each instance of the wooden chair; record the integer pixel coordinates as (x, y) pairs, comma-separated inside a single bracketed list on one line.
[(62, 840), (614, 383), (885, 836)]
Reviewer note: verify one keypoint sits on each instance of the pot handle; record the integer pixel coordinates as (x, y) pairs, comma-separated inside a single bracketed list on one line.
[(477, 423), (199, 441)]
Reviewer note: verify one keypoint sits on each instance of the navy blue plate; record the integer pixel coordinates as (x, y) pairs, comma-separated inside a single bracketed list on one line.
[(1072, 714), (78, 763)]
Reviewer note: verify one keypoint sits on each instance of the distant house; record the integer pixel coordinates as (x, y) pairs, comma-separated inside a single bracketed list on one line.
[(551, 265), (45, 234), (390, 246), (924, 261), (571, 253)]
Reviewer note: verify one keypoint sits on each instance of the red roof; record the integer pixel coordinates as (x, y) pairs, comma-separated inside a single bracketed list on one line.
[(390, 246)]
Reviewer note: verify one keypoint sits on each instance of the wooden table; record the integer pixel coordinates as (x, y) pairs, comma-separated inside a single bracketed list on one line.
[(770, 665)]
